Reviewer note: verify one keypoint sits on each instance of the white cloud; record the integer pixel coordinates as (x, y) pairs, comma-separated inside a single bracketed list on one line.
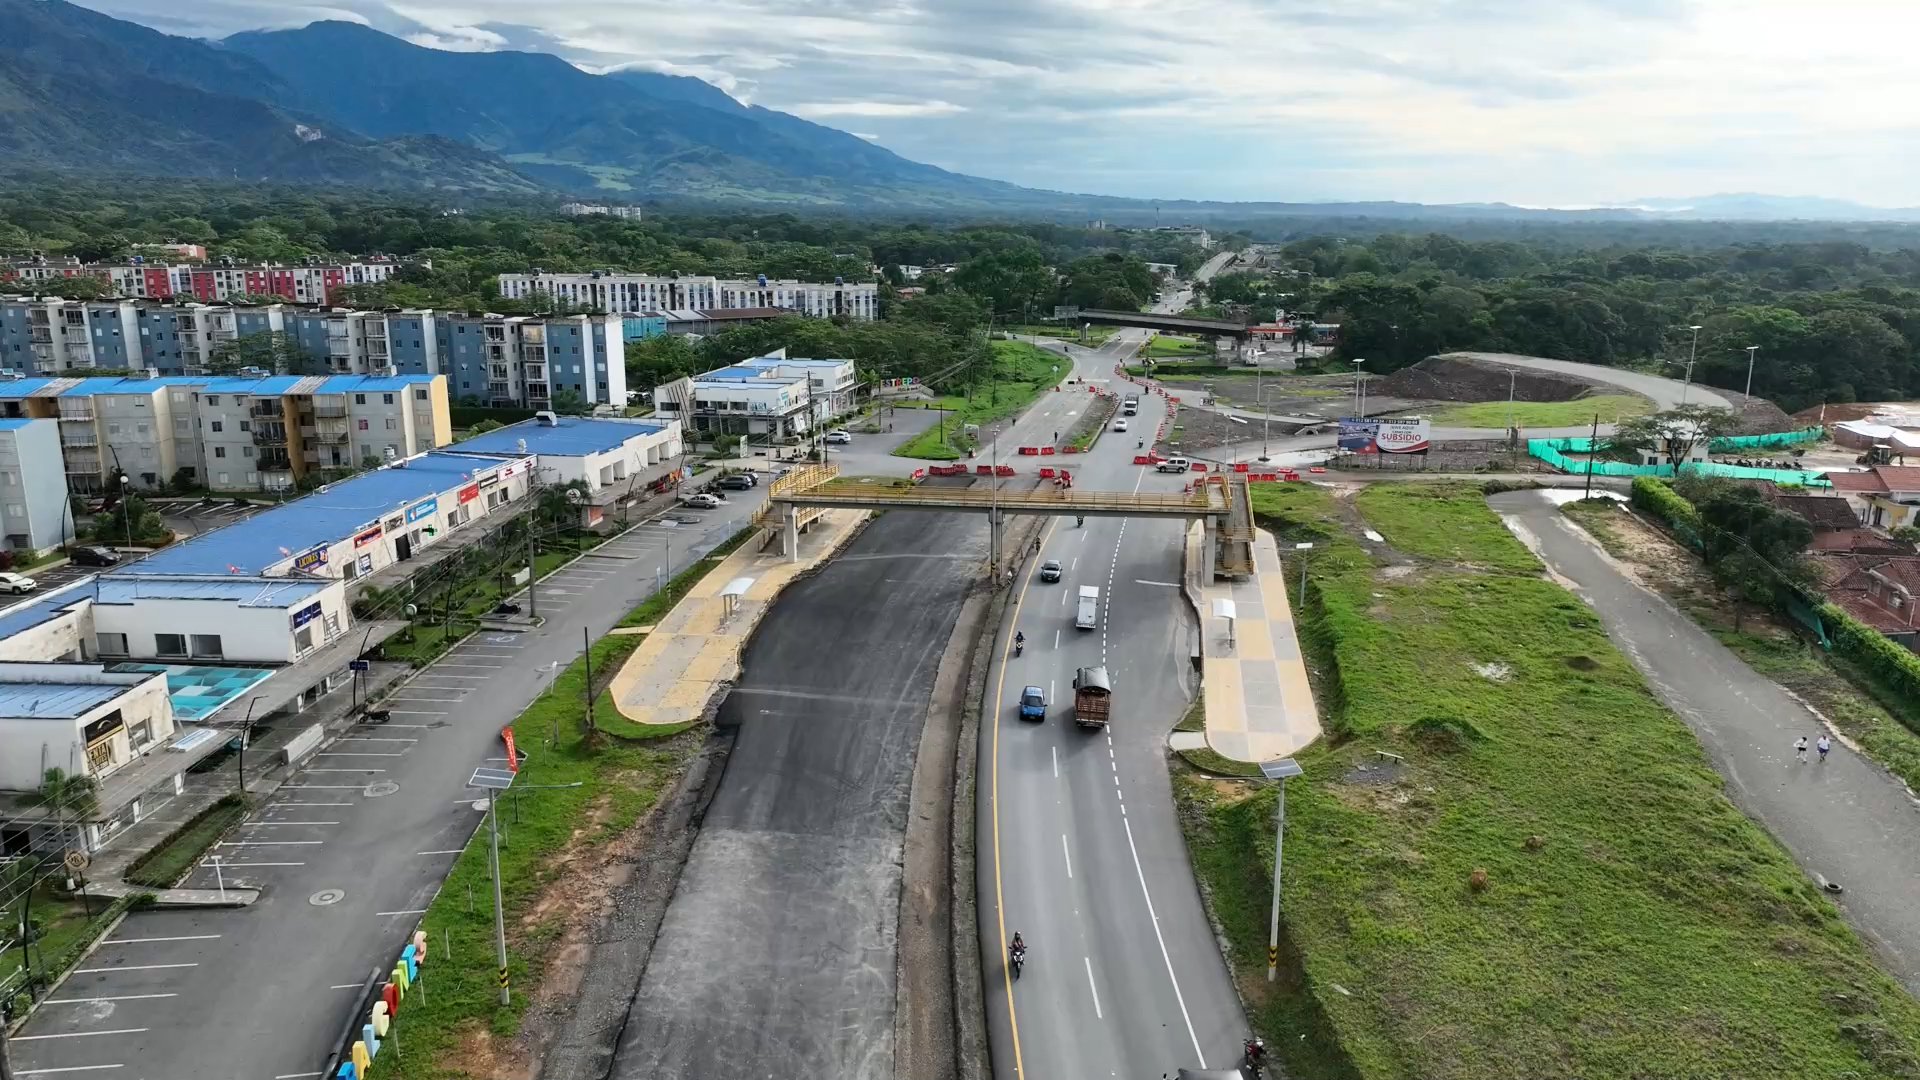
[(891, 109), (1575, 102)]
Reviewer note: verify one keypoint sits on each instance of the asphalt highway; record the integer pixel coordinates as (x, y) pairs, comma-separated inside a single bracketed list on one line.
[(1079, 847)]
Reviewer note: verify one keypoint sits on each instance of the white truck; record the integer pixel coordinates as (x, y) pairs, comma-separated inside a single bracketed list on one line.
[(1089, 614)]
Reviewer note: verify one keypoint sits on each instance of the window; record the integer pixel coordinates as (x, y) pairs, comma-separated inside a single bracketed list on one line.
[(224, 477), (113, 429), (139, 403), (170, 645), (112, 644), (213, 399), (219, 425), (363, 425), (220, 451), (141, 732), (303, 639), (246, 451), (140, 429), (392, 423), (359, 399), (386, 399), (207, 646), (420, 394)]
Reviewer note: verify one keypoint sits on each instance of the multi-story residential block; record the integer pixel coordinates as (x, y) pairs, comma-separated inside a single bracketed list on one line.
[(310, 283), (33, 490), (574, 209), (833, 384), (772, 396), (620, 293), (523, 360), (231, 433)]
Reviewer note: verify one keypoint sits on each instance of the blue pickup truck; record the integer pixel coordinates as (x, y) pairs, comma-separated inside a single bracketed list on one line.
[(1033, 704)]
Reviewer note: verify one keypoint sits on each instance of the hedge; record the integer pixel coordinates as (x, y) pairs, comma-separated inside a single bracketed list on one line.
[(1658, 498), (465, 416), (1882, 657), (167, 862)]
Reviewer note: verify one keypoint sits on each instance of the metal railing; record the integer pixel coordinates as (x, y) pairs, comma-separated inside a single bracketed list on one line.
[(1052, 500)]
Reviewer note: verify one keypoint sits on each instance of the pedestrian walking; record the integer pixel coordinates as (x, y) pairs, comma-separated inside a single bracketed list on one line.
[(1823, 744), (1800, 748)]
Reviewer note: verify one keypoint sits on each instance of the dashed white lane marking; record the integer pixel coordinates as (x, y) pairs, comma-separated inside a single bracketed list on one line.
[(157, 940), (77, 1034), (1068, 855), (1097, 1015), (129, 967), (97, 1000)]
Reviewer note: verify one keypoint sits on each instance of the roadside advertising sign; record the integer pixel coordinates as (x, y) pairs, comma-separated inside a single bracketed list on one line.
[(1377, 436)]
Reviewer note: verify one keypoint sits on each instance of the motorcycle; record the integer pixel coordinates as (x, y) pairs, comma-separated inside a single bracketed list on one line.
[(1019, 643), (1016, 959), (375, 716), (1256, 1052)]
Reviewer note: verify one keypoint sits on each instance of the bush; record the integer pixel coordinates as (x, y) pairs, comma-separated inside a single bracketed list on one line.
[(1658, 498), (1887, 661)]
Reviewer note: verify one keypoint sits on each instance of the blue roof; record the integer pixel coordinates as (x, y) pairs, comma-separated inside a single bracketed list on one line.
[(736, 371), (774, 361), (346, 383), (13, 423), (250, 592), (19, 388), (570, 435), (236, 384), (44, 608), (253, 544), (759, 380), (53, 700)]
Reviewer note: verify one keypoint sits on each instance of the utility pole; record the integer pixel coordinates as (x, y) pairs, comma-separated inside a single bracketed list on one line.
[(1751, 351), (1693, 355), (586, 637), (246, 733), (1278, 771), (533, 525), (1593, 447), (499, 912), (1511, 375)]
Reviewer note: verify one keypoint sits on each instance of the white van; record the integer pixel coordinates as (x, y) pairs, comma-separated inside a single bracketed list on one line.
[(1174, 464), (1088, 615)]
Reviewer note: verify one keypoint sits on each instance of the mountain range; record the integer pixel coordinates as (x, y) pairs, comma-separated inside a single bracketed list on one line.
[(339, 103)]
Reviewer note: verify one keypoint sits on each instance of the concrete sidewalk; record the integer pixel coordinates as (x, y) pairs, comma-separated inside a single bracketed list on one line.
[(1258, 701), (1846, 819), (695, 648)]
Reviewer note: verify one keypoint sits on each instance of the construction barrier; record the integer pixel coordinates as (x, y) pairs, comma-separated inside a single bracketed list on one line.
[(1029, 451), (1199, 466), (919, 474), (1046, 451), (1778, 438), (1551, 452), (1004, 470), (983, 470), (1143, 459), (1069, 449), (1046, 473)]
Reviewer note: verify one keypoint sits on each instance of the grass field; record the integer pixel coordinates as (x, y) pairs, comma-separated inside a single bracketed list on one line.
[(1174, 345), (170, 860), (1493, 414), (1021, 373), (1551, 883)]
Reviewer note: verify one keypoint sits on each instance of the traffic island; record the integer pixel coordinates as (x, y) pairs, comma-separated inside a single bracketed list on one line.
[(1258, 702)]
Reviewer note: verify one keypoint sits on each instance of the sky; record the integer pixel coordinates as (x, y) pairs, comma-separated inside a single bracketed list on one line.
[(1532, 102)]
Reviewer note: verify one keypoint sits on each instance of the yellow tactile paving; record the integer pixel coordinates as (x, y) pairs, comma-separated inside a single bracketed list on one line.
[(1259, 703), (672, 675)]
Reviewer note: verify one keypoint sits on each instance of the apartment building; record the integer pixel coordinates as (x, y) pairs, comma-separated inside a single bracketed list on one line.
[(33, 490), (231, 433), (607, 290), (523, 360), (833, 384)]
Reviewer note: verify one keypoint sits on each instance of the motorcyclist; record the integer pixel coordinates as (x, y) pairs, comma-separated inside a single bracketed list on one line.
[(1019, 642), (1017, 949), (1256, 1052), (1080, 521)]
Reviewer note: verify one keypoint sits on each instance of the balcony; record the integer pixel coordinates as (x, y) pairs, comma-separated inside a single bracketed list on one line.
[(274, 458), (537, 391), (268, 409), (76, 412), (269, 435), (330, 412), (40, 335), (79, 438)]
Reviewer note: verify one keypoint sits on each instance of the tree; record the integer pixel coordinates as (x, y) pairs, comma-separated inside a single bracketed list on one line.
[(567, 402), (70, 794), (1672, 434), (270, 350), (484, 426), (1752, 546), (1012, 282)]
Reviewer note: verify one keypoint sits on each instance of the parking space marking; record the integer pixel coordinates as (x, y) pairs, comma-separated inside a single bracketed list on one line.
[(295, 1076), (156, 940), (267, 843), (68, 1069), (448, 675), (344, 770), (97, 1000), (449, 851), (277, 806), (232, 865), (76, 1034), (483, 667), (129, 967), (260, 824), (419, 911), (324, 787), (375, 738), (362, 753)]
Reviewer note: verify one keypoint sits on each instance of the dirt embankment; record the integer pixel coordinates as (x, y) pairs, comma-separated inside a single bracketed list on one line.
[(1453, 378)]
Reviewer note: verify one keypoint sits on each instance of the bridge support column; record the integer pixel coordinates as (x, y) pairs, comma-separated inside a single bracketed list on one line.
[(995, 527), (1209, 548), (790, 534)]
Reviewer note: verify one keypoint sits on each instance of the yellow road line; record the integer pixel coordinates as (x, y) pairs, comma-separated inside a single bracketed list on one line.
[(993, 799)]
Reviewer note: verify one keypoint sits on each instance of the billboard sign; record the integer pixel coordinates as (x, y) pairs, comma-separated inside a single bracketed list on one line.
[(422, 509), (1366, 435)]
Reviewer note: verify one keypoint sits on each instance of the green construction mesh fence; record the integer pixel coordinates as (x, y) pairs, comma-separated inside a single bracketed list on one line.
[(1778, 438), (1552, 451)]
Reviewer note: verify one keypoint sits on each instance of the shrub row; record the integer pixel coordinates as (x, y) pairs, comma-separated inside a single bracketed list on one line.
[(1658, 498)]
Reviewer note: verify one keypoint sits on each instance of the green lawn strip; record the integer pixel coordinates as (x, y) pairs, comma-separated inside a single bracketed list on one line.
[(66, 931), (1172, 345), (168, 861), (1208, 760), (654, 607), (1444, 521), (1493, 414), (619, 783), (1195, 718), (1633, 922), (1021, 373)]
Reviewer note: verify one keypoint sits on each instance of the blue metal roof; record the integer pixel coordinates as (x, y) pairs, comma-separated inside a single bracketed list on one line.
[(758, 381), (19, 388), (45, 608), (54, 701), (251, 545), (235, 384), (250, 592), (13, 423), (570, 435), (774, 361), (338, 384), (735, 371)]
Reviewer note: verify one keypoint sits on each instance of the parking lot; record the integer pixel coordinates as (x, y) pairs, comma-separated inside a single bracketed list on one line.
[(347, 854)]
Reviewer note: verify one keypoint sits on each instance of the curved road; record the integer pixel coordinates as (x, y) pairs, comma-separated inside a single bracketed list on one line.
[(1079, 846)]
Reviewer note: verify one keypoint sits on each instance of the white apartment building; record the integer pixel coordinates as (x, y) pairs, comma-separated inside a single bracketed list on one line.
[(620, 293), (833, 383), (77, 717)]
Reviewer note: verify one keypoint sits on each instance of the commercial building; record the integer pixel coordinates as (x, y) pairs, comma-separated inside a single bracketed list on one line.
[(608, 290), (83, 719), (618, 460), (772, 396), (574, 209)]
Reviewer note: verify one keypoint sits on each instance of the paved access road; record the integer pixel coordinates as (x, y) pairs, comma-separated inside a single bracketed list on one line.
[(777, 955), (261, 993), (1845, 818), (1079, 846)]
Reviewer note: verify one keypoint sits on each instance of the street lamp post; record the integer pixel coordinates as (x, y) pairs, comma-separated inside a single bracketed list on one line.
[(1693, 355), (496, 781), (1277, 770), (1359, 401), (1751, 351)]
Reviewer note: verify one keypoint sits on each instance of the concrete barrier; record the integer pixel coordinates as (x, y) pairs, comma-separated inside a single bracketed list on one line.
[(303, 744), (382, 1012)]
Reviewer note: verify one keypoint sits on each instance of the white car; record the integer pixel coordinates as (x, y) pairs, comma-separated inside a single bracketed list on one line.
[(702, 501), (838, 437), (17, 583), (1120, 424)]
